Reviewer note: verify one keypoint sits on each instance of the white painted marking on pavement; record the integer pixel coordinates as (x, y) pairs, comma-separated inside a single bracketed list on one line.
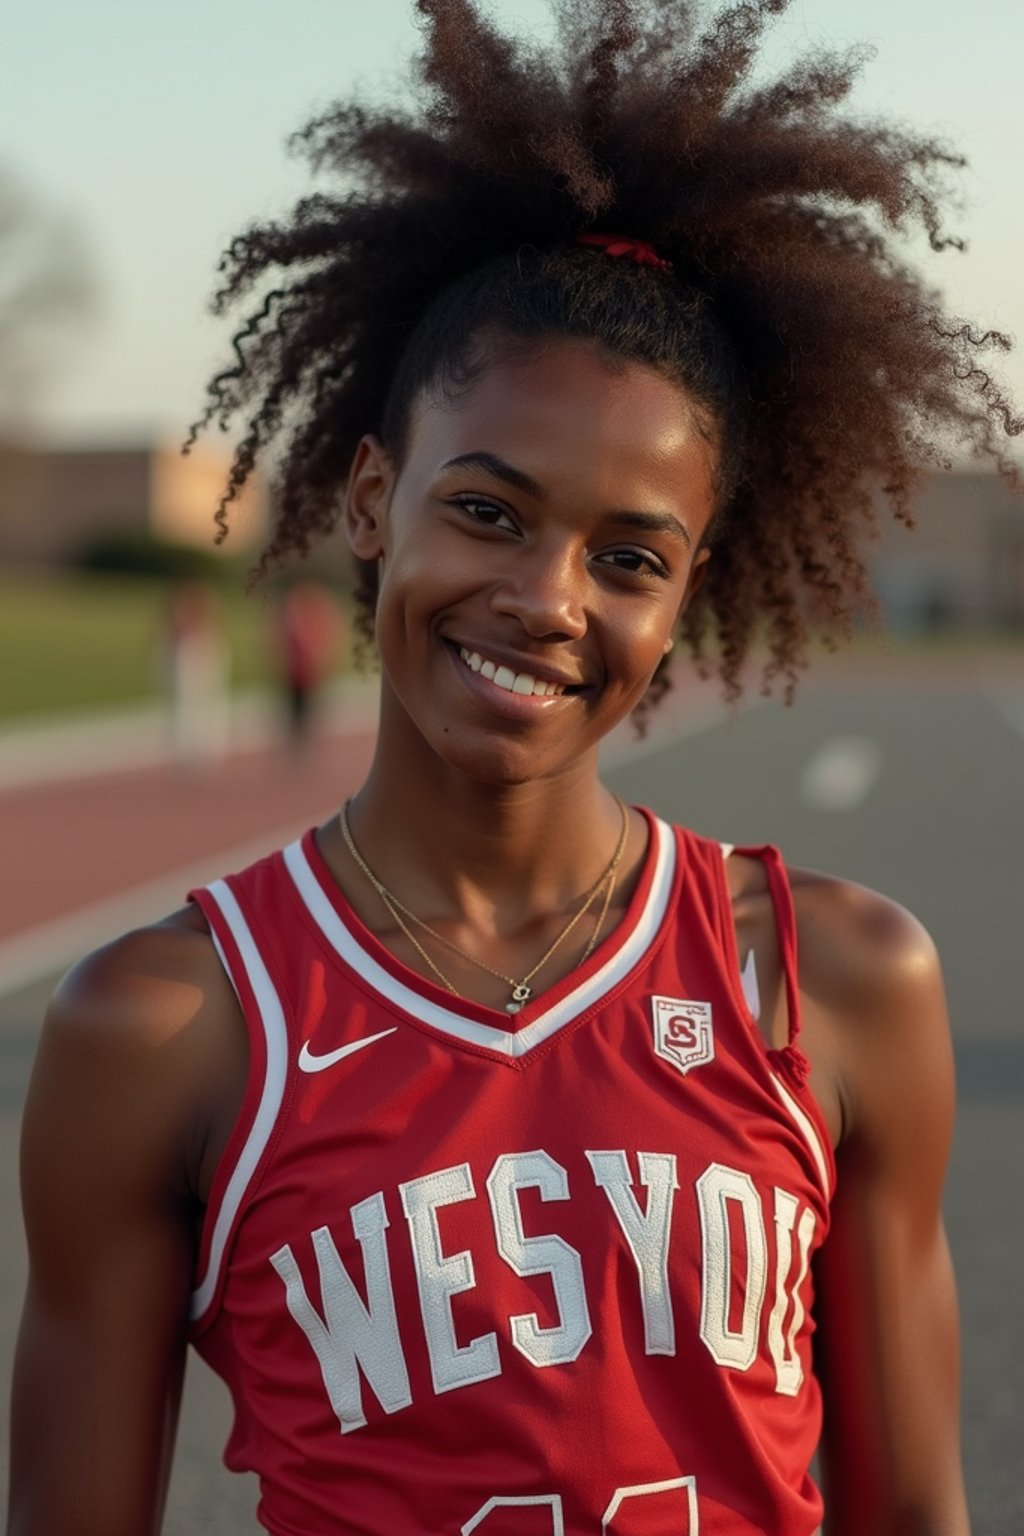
[(41, 951), (691, 717), (841, 773), (52, 946), (89, 743), (1008, 703)]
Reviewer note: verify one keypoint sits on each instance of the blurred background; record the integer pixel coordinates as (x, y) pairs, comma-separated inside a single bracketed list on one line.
[(158, 726)]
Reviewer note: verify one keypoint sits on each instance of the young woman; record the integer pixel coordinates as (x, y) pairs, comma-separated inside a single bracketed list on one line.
[(525, 1165)]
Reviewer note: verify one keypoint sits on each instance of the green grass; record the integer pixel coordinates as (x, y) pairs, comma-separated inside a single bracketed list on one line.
[(71, 641)]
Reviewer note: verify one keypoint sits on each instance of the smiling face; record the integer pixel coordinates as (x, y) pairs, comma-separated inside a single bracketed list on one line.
[(537, 546)]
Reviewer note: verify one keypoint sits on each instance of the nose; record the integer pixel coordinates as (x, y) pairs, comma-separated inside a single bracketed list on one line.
[(544, 590)]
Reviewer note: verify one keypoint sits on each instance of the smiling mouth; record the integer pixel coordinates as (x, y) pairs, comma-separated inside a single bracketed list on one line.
[(523, 683)]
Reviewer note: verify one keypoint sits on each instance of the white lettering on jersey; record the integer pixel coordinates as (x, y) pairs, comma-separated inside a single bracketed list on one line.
[(539, 1256), (716, 1187), (647, 1233), (441, 1276), (789, 1373), (351, 1335)]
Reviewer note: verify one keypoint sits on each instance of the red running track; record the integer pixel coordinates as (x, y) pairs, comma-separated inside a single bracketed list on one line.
[(71, 843)]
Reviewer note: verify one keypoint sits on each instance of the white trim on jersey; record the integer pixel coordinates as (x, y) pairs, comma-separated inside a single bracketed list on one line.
[(276, 1035), (512, 1043), (806, 1126)]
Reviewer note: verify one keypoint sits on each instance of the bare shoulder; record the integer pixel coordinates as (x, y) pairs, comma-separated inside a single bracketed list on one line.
[(146, 1031), (156, 994), (143, 988), (108, 978), (856, 945), (851, 938), (874, 1017), (874, 1002)]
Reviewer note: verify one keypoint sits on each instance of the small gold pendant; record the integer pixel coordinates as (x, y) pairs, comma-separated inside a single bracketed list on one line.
[(520, 993)]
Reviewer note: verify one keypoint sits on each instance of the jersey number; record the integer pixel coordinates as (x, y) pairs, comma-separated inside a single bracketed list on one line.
[(648, 1509)]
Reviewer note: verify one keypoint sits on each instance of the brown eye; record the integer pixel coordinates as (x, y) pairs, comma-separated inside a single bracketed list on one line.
[(487, 512), (638, 562)]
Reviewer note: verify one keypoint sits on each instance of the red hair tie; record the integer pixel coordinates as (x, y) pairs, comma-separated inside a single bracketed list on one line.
[(620, 245)]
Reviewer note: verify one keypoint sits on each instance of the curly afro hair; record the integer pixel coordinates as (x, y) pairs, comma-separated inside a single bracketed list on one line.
[(829, 374)]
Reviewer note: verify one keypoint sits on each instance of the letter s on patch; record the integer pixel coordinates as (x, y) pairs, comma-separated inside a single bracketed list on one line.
[(683, 1032)]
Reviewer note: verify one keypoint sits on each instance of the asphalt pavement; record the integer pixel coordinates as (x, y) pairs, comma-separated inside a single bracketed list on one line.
[(906, 778)]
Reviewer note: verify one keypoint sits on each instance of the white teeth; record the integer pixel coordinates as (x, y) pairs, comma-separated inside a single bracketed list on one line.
[(513, 682)]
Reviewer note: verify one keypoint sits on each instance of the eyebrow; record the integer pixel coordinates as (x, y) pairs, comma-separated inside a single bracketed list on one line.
[(500, 469), (654, 522), (492, 465)]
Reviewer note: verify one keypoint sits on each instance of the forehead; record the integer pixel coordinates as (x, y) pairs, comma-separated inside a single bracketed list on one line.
[(569, 415)]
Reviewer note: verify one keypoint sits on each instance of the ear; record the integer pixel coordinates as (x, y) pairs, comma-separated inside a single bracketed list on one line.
[(367, 496), (695, 580)]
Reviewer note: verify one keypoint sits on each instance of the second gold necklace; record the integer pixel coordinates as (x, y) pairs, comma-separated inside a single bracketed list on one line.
[(521, 989)]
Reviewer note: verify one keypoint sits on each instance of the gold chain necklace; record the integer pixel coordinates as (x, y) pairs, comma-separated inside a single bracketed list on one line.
[(521, 990)]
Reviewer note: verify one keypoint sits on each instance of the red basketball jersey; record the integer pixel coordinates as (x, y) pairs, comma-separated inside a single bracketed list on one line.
[(536, 1275)]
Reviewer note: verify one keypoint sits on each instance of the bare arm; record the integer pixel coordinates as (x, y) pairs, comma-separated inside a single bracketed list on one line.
[(111, 1139), (888, 1351)]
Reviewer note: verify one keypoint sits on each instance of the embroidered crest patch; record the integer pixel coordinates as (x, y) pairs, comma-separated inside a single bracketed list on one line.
[(682, 1032)]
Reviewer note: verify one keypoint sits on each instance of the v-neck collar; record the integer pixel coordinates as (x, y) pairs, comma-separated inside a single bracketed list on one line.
[(509, 1035)]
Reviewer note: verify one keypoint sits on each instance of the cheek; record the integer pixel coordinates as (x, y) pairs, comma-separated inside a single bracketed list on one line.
[(416, 584), (637, 647), (427, 577)]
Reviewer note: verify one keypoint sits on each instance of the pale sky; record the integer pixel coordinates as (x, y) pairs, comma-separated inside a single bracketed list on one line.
[(159, 130)]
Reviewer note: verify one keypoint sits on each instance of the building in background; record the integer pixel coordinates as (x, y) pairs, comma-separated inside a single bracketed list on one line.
[(55, 502), (961, 566)]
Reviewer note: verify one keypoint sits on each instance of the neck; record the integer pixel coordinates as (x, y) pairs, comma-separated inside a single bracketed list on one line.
[(484, 877), (466, 847), (496, 864)]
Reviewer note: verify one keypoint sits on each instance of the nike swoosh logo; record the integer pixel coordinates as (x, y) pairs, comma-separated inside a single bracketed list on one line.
[(310, 1063)]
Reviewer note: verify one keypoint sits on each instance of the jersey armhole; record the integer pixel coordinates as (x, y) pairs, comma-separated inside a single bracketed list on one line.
[(252, 1136), (785, 935), (790, 1068)]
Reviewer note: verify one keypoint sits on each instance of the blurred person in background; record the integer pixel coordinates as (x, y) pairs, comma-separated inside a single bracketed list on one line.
[(524, 1164), (195, 668), (309, 634)]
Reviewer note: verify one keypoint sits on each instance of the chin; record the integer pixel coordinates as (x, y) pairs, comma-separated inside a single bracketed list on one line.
[(500, 768), (501, 761)]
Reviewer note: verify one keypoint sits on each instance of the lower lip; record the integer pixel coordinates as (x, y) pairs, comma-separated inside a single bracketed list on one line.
[(514, 706)]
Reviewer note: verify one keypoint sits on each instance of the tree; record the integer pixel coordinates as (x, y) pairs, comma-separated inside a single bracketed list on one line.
[(46, 291)]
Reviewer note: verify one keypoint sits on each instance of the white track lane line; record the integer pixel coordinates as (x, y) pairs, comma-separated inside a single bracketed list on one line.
[(1008, 704), (841, 773), (41, 951), (38, 952), (89, 743), (699, 714)]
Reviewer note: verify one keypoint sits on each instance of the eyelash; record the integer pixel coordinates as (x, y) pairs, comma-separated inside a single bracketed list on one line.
[(654, 566), (467, 503)]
